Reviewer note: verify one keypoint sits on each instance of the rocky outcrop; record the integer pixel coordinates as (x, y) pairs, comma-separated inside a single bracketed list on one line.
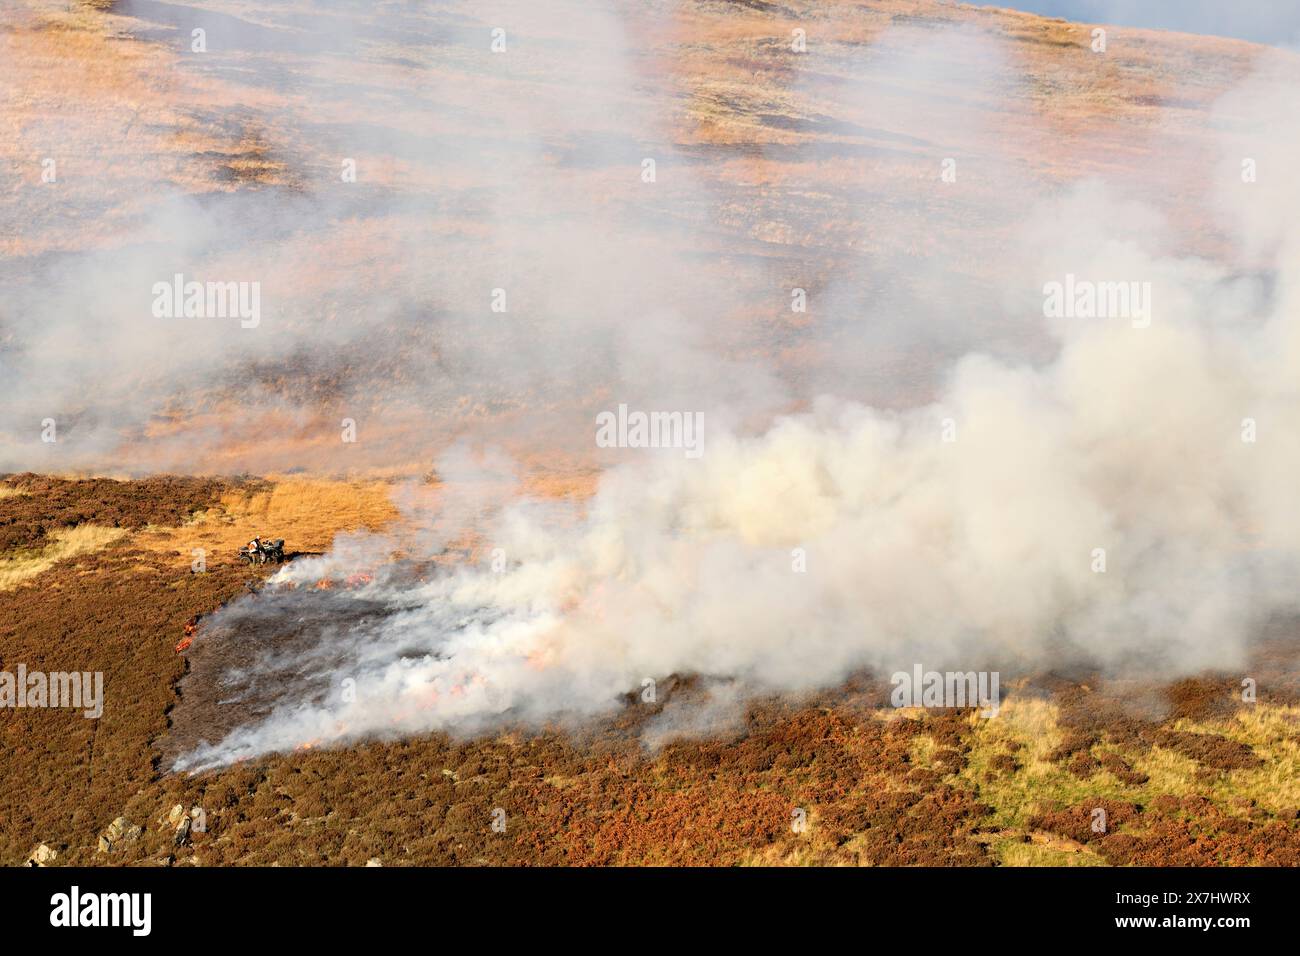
[(120, 832)]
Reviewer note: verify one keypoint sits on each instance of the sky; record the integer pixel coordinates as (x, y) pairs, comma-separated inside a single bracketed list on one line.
[(1262, 21)]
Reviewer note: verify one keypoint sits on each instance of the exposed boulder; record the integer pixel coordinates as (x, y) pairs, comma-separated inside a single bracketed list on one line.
[(42, 855), (118, 833)]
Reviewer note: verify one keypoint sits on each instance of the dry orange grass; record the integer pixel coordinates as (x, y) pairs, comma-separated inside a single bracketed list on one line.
[(68, 543), (307, 513)]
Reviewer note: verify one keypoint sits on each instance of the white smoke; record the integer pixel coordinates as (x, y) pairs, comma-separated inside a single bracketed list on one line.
[(976, 553), (839, 536)]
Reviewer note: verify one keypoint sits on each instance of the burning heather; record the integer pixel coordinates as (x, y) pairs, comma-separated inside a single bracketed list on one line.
[(632, 390), (1102, 481), (839, 539)]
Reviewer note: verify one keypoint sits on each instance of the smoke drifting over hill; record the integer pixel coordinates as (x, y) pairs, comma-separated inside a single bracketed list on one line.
[(1112, 489), (977, 553), (1123, 505), (497, 261)]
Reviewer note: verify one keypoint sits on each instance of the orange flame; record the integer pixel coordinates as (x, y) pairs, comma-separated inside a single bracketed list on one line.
[(189, 630)]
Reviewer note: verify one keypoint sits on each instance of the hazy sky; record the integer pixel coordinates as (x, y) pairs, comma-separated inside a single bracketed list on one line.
[(1264, 21)]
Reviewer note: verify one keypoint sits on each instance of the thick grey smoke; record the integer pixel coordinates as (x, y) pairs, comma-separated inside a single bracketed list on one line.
[(978, 553), (1124, 504), (1116, 493)]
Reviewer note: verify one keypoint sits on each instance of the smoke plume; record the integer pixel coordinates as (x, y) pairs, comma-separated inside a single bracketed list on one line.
[(928, 466)]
